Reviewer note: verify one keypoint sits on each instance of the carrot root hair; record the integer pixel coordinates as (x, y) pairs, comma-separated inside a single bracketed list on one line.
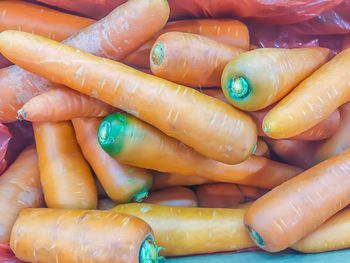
[(238, 87)]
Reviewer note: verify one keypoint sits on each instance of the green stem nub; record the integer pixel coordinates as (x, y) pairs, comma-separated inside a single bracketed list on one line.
[(255, 236), (140, 196), (157, 54), (238, 87), (149, 251)]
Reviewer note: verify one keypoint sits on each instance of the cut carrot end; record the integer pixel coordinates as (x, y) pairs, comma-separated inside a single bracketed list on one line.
[(238, 87), (157, 54), (149, 251), (255, 236)]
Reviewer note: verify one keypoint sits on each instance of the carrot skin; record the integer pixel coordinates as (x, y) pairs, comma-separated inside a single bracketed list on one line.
[(166, 180), (105, 204), (262, 149), (174, 196)]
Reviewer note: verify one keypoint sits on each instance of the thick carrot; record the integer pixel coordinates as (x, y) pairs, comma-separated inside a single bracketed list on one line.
[(122, 183), (210, 126), (175, 196), (137, 143), (311, 101), (262, 149), (189, 230), (105, 204), (165, 180), (295, 208), (332, 235), (223, 195), (63, 235), (115, 36), (65, 175), (340, 141), (19, 188), (258, 78), (191, 59), (62, 104), (228, 31)]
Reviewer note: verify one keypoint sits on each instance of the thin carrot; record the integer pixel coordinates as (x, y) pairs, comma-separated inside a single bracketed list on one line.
[(65, 175), (137, 143), (122, 183), (165, 180), (19, 188), (210, 126), (62, 104), (311, 101), (297, 207), (175, 196), (189, 230), (262, 149), (190, 59), (115, 36), (62, 235), (105, 204)]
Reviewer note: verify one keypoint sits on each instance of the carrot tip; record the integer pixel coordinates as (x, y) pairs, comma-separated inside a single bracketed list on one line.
[(149, 251), (238, 87), (157, 54), (255, 236)]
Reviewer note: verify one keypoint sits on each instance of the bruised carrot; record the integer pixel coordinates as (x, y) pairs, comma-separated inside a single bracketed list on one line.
[(165, 180), (137, 143), (189, 230), (19, 188), (311, 101), (105, 204), (115, 36), (340, 141), (262, 149), (175, 196), (258, 78), (61, 104), (297, 207), (212, 127), (122, 183), (63, 235), (190, 59), (65, 175)]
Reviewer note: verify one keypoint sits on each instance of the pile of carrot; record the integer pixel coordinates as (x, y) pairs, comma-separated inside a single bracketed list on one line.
[(157, 138)]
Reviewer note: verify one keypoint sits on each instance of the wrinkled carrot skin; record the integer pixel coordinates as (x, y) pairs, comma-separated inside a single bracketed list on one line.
[(174, 196), (114, 36), (185, 231), (224, 195), (165, 180), (67, 235), (122, 183), (270, 74), (297, 207), (19, 188), (331, 235), (137, 143), (228, 31), (262, 149), (340, 141), (65, 175), (62, 104), (191, 59), (311, 101), (105, 204), (212, 127)]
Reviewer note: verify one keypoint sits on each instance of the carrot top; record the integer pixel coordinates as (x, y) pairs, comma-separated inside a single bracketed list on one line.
[(157, 53), (238, 87)]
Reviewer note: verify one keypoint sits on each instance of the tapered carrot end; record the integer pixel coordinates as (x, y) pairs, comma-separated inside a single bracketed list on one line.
[(238, 87), (149, 251), (255, 237), (157, 53)]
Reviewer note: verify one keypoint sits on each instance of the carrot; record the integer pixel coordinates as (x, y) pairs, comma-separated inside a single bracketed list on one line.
[(122, 183), (243, 205), (106, 204), (63, 235), (188, 230), (65, 175), (295, 208), (340, 141), (228, 31), (137, 143), (332, 235), (19, 188), (165, 180), (115, 36), (346, 42), (258, 78), (223, 195), (212, 127), (175, 196), (311, 101), (62, 104), (190, 59), (262, 149)]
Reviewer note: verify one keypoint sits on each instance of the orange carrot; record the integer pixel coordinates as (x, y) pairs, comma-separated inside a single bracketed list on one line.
[(311, 101), (262, 149), (210, 126), (191, 230), (258, 78), (115, 36), (62, 235), (165, 180), (105, 204), (19, 188), (297, 207), (175, 196), (137, 143), (65, 175), (122, 183), (191, 59), (62, 104)]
